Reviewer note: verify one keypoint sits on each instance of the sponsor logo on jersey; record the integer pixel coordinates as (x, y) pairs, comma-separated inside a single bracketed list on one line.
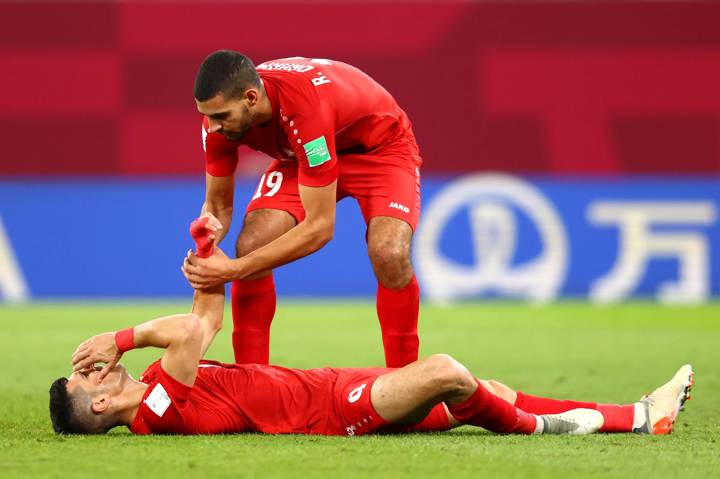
[(317, 151), (158, 400), (399, 206)]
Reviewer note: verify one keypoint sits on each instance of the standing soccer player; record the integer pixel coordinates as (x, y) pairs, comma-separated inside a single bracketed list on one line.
[(333, 132)]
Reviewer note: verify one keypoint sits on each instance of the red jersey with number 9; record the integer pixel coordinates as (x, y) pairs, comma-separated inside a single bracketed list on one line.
[(321, 109)]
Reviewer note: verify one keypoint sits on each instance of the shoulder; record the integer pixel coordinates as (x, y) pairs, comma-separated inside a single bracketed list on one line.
[(291, 78), (163, 406)]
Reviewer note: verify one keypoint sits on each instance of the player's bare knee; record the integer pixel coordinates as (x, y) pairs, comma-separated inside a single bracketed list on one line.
[(447, 375), (391, 263), (248, 242), (502, 390)]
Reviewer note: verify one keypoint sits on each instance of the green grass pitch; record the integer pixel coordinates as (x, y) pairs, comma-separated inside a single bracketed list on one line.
[(569, 350)]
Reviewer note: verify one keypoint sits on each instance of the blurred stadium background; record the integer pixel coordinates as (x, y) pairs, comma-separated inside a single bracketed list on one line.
[(571, 149)]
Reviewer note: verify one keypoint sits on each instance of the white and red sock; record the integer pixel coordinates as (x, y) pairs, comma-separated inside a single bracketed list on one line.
[(618, 417), (486, 410)]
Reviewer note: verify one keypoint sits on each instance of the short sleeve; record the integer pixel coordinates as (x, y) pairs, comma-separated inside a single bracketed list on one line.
[(310, 128), (179, 391), (221, 155)]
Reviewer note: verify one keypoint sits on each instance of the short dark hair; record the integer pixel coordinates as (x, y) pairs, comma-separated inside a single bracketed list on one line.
[(70, 413), (227, 72)]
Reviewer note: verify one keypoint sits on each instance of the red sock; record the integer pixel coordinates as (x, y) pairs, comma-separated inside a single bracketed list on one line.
[(397, 310), (203, 246), (253, 308), (493, 413), (618, 418)]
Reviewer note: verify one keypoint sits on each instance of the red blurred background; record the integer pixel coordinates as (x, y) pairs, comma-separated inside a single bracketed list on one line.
[(574, 88)]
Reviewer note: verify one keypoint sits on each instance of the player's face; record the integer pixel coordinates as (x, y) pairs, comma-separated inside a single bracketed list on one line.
[(231, 117), (112, 384)]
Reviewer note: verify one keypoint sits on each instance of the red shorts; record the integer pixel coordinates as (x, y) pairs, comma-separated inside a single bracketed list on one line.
[(385, 182), (354, 415)]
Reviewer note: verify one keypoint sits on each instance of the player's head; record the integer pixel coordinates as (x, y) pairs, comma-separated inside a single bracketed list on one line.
[(81, 405), (227, 89)]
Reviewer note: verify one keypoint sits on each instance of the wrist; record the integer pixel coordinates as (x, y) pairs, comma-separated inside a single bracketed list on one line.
[(236, 271), (125, 340)]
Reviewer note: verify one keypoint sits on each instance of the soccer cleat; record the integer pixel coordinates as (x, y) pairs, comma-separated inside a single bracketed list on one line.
[(575, 421), (662, 406)]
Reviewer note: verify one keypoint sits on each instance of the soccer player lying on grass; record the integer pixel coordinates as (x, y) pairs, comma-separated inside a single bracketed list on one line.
[(182, 394)]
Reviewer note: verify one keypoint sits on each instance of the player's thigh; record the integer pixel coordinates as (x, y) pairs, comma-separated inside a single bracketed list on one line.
[(384, 186), (261, 227), (409, 393)]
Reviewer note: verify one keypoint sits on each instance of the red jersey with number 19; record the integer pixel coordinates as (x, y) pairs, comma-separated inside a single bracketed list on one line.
[(322, 109)]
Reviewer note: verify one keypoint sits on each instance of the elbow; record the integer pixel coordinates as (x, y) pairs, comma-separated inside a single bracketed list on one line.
[(190, 328), (322, 233), (326, 235)]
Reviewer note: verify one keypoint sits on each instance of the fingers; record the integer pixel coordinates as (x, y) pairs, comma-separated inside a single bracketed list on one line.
[(107, 368), (189, 268), (79, 356), (196, 281), (191, 259), (84, 345), (87, 363), (213, 223)]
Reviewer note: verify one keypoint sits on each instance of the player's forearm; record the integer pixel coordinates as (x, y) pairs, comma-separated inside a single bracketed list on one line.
[(302, 240), (209, 306), (164, 332), (219, 197)]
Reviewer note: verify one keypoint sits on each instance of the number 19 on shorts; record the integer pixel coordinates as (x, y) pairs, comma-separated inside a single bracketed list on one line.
[(273, 182)]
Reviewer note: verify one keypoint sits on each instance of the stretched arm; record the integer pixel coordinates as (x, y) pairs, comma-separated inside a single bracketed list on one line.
[(305, 238), (186, 337)]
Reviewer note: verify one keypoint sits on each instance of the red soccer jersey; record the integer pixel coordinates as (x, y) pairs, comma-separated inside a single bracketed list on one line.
[(321, 108), (231, 398)]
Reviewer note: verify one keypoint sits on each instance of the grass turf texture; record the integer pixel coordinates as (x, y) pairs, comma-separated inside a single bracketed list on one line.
[(612, 354)]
